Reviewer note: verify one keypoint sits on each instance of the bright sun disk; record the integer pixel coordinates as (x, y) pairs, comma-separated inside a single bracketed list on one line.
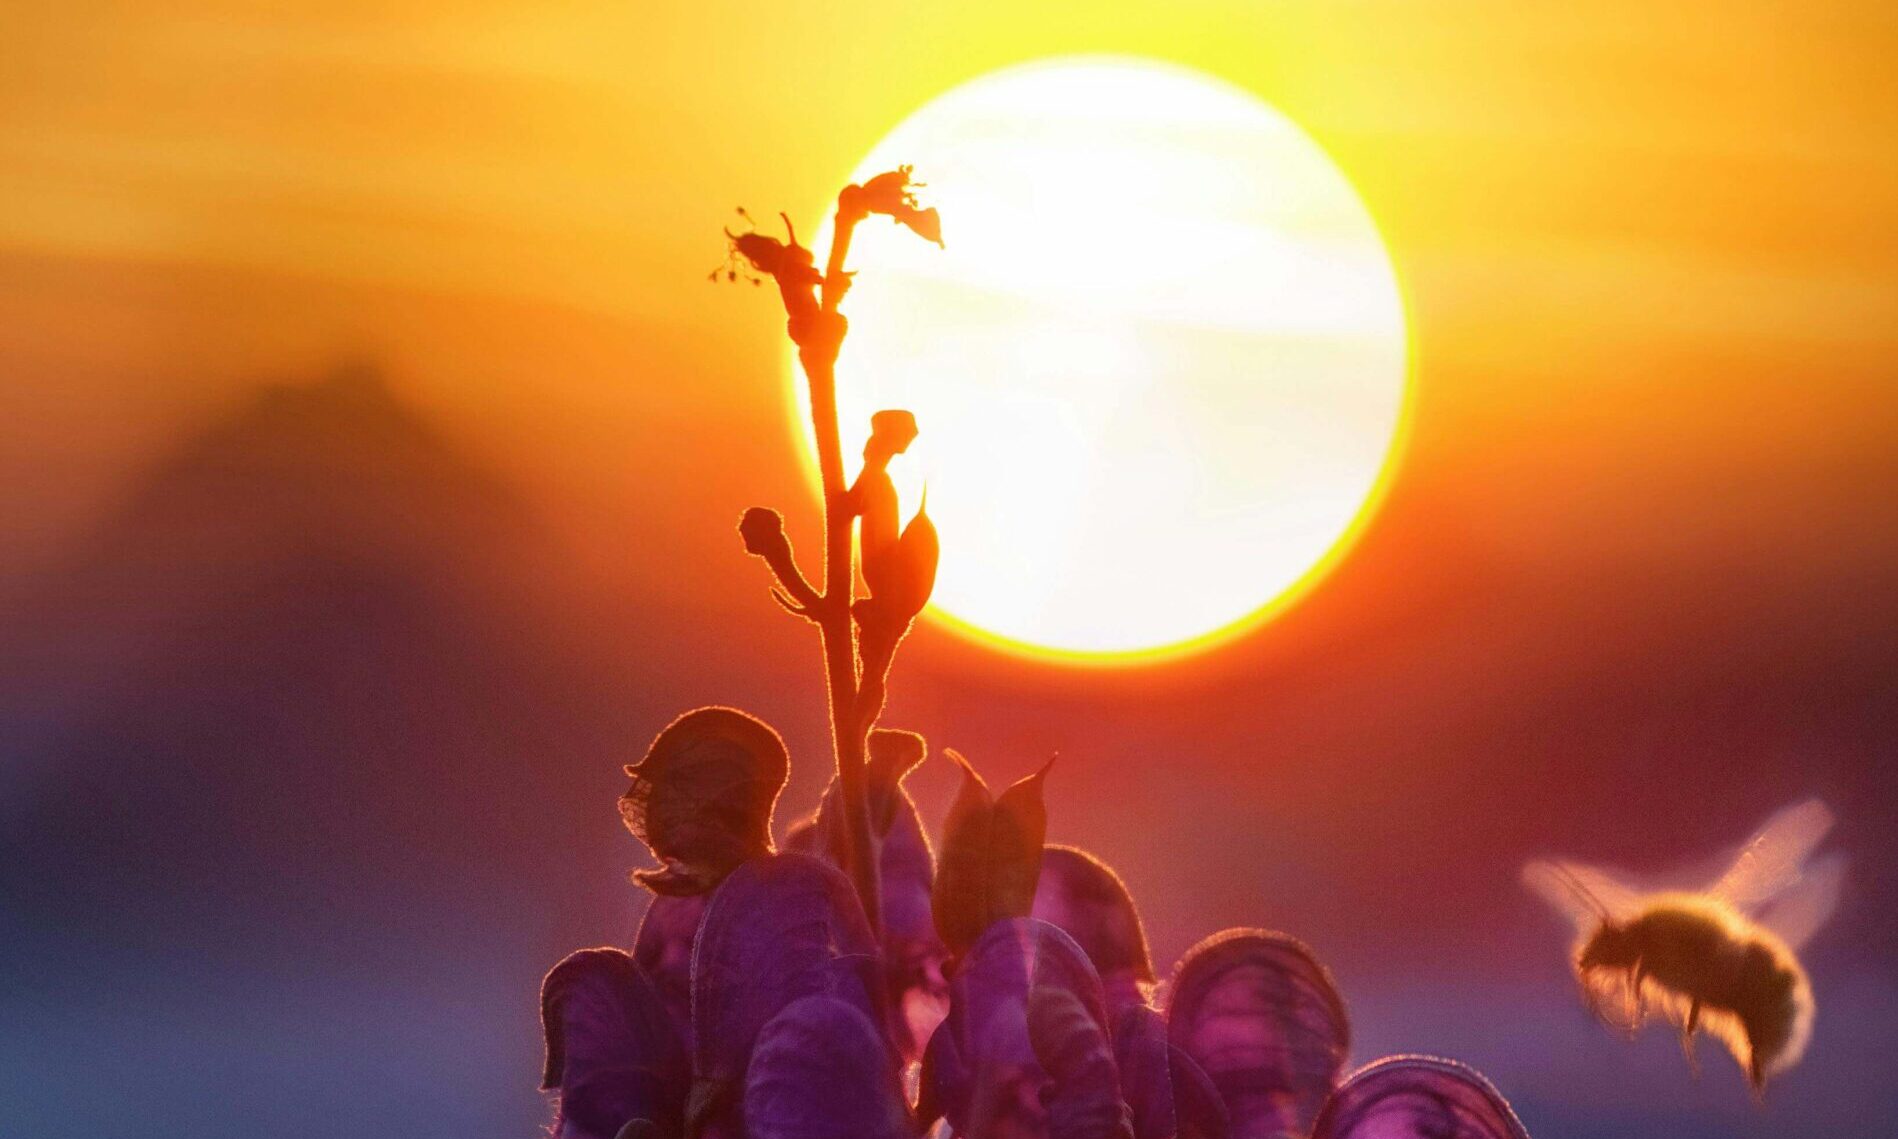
[(1160, 367)]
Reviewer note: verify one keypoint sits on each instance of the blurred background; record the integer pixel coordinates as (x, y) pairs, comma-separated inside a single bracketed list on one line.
[(371, 447)]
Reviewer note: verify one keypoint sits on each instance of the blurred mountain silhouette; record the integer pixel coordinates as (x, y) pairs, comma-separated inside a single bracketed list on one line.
[(314, 670), (305, 614)]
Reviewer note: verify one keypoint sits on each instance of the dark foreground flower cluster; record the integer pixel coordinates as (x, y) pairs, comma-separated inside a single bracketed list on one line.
[(1005, 993), (859, 984)]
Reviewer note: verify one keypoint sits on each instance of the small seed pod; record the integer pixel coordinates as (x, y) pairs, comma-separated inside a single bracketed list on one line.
[(913, 565), (901, 574), (762, 530)]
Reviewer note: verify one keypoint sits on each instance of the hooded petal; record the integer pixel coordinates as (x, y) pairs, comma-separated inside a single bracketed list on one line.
[(914, 957), (1084, 1098), (1027, 1032), (701, 799), (780, 928), (1417, 1097), (663, 950), (822, 1070), (611, 1050), (1260, 1015), (1083, 895)]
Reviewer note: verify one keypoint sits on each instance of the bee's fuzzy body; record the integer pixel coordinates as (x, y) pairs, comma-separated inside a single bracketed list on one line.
[(1704, 966)]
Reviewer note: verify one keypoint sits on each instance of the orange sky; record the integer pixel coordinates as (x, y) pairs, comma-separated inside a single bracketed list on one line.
[(1615, 223), (1649, 255)]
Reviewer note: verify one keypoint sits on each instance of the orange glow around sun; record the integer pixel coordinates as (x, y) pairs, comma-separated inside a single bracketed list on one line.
[(1160, 367)]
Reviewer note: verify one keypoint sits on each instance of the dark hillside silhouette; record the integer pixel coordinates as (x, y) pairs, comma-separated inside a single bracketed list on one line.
[(305, 677)]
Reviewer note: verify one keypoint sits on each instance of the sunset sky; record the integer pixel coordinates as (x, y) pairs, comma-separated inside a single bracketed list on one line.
[(1634, 585)]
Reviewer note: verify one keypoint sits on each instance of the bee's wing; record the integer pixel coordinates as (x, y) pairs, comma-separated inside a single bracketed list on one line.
[(1804, 907), (1771, 859), (1586, 895)]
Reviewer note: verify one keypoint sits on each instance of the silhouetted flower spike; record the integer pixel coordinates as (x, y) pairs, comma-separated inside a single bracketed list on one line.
[(662, 947), (821, 1069), (873, 498), (762, 530), (860, 638)]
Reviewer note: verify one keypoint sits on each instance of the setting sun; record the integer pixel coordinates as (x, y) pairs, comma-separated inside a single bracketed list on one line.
[(1159, 366)]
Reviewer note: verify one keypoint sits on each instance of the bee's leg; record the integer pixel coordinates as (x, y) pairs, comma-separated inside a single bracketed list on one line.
[(1636, 974), (1688, 1028)]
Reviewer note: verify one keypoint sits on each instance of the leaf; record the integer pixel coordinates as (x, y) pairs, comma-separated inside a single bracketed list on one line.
[(789, 606), (959, 898), (991, 856), (1021, 827)]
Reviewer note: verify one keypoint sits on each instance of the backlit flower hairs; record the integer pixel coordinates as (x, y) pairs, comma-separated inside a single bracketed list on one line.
[(702, 797)]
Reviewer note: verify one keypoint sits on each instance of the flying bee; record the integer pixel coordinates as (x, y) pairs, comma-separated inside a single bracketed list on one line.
[(1720, 959)]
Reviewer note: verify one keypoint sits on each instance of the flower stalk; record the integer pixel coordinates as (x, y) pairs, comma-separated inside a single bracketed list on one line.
[(860, 636)]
